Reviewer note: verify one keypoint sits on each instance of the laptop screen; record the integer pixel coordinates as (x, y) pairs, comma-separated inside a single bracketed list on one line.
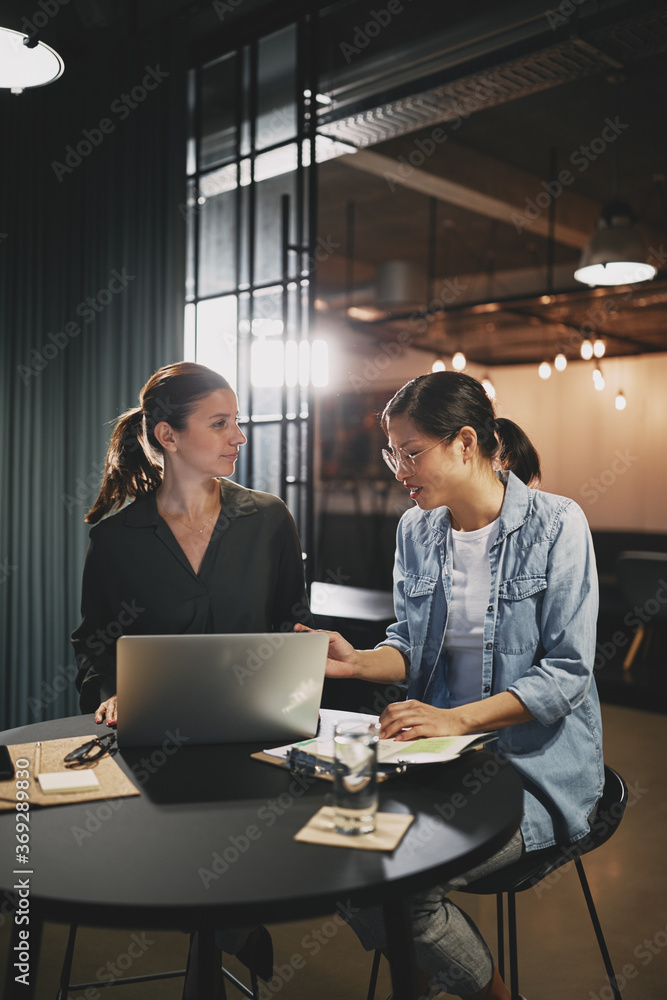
[(234, 688)]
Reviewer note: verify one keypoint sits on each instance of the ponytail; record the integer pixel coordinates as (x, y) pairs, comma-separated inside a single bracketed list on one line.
[(129, 472), (517, 452), (131, 469)]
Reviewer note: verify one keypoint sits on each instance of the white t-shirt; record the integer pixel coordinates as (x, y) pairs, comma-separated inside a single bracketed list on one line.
[(471, 587)]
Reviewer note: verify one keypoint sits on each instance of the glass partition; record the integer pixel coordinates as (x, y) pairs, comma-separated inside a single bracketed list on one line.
[(250, 239)]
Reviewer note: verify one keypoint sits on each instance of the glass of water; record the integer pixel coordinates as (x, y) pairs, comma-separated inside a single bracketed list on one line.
[(355, 777)]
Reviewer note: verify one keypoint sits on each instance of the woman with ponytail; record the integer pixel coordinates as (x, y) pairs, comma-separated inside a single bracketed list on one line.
[(495, 595), (192, 551)]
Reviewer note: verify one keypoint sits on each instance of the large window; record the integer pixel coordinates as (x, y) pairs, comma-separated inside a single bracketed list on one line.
[(250, 268), (264, 114)]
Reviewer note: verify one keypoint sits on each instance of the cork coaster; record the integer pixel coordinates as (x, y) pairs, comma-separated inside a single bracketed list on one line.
[(389, 830), (113, 782)]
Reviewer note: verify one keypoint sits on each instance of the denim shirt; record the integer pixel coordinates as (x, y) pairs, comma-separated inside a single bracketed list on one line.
[(538, 642)]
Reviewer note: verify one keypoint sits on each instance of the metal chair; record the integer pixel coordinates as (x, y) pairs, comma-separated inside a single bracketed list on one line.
[(536, 866), (642, 578), (66, 987)]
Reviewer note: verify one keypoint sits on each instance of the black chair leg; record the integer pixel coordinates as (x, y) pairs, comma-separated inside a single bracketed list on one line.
[(500, 918), (598, 929), (372, 985), (514, 960), (66, 973)]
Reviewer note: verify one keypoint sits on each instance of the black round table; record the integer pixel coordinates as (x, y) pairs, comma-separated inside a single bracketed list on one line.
[(209, 843)]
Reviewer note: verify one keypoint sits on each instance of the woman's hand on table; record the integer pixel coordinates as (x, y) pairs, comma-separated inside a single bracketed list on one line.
[(108, 711), (411, 720)]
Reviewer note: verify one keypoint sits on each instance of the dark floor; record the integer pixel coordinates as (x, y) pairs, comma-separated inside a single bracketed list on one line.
[(559, 959)]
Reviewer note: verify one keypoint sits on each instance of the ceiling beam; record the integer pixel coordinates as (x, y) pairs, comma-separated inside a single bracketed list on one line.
[(508, 198)]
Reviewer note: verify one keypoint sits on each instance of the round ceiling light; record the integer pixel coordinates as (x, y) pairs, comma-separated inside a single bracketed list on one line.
[(25, 63)]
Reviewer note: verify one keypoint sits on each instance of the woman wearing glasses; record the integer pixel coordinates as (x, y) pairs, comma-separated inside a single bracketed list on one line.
[(495, 594), (192, 553)]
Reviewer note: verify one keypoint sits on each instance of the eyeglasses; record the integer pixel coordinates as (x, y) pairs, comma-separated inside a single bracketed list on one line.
[(91, 751), (406, 459)]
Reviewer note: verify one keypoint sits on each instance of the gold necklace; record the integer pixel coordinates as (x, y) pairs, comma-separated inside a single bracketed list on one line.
[(179, 517)]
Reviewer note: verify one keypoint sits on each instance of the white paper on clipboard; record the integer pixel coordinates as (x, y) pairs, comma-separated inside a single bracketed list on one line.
[(421, 751)]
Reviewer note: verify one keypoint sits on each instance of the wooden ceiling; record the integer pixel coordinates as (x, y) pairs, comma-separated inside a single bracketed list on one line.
[(473, 214), (467, 206)]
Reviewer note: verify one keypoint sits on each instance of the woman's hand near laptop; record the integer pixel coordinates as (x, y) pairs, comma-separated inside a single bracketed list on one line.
[(108, 710), (385, 665)]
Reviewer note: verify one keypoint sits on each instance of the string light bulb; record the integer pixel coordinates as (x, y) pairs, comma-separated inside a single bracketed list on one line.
[(489, 387), (459, 361), (438, 365), (599, 347), (560, 362), (620, 402), (598, 379), (544, 371), (586, 349)]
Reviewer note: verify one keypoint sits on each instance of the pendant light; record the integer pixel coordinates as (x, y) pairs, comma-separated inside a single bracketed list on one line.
[(25, 60), (615, 254), (586, 349), (598, 378), (489, 387)]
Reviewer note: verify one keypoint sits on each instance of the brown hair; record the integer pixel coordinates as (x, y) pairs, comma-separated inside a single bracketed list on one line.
[(130, 470), (441, 403)]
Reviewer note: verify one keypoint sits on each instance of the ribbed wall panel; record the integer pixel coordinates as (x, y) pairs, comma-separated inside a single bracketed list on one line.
[(120, 208)]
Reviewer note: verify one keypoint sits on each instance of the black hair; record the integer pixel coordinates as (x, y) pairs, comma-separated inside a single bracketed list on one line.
[(441, 403)]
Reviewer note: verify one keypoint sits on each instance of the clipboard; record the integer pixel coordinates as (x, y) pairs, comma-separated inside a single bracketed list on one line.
[(298, 759), (300, 762)]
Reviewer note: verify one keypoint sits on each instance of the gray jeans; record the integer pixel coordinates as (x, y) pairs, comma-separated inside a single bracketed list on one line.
[(448, 945)]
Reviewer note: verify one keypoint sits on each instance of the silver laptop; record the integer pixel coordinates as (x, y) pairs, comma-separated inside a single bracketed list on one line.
[(220, 688)]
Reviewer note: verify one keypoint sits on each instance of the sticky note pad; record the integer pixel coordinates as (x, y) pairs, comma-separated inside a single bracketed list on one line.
[(68, 781)]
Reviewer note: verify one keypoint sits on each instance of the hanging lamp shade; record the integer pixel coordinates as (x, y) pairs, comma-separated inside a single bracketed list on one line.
[(400, 284), (25, 60), (616, 253)]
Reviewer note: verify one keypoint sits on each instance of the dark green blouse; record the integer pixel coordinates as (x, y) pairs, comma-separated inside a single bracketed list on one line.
[(137, 581)]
